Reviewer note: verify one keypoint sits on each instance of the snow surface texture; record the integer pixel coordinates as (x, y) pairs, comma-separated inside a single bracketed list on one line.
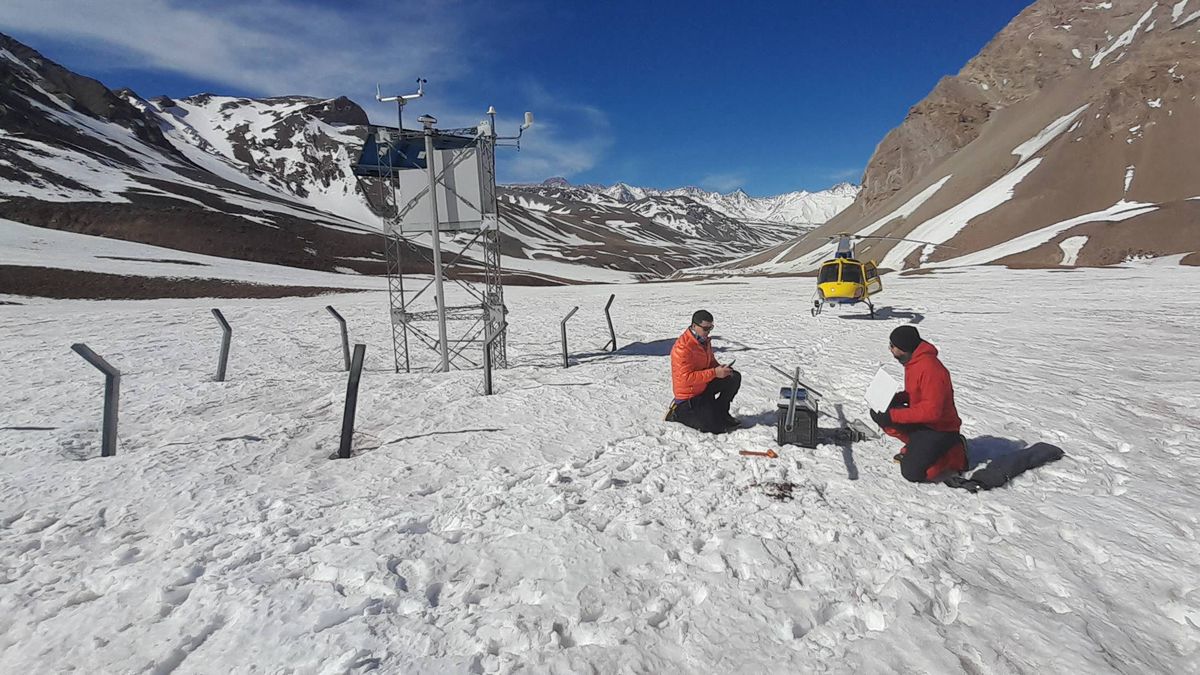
[(561, 526)]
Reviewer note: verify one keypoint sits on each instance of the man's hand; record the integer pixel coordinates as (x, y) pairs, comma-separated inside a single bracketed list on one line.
[(900, 400), (883, 419), (722, 372)]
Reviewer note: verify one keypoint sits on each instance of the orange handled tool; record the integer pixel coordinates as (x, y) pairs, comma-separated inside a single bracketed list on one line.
[(751, 453)]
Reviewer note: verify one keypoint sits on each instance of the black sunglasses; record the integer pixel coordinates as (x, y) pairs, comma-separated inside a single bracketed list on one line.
[(706, 329)]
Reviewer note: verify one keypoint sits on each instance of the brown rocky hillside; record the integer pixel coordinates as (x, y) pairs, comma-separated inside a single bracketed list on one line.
[(1071, 139)]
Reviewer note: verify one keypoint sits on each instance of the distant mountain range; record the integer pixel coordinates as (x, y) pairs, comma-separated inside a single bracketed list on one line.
[(791, 208)]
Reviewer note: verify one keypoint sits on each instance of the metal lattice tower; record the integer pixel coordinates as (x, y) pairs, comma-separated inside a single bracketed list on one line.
[(472, 269)]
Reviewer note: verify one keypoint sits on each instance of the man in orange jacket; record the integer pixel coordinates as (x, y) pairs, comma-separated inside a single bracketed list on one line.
[(923, 416), (704, 389)]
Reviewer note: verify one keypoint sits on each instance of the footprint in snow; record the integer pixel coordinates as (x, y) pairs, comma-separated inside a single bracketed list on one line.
[(658, 612), (873, 617), (945, 607), (433, 594)]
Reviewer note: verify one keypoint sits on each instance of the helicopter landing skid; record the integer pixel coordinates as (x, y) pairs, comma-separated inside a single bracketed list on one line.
[(816, 308)]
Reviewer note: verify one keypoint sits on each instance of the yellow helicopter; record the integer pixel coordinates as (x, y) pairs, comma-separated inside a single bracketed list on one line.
[(844, 280)]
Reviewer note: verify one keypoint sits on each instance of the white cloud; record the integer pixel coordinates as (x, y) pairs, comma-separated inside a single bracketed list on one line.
[(273, 47), (567, 138), (722, 182), (845, 174)]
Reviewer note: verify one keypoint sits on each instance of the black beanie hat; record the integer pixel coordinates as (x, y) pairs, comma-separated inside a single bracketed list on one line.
[(905, 338)]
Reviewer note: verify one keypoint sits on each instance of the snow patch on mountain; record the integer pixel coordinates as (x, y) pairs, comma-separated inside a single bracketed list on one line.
[(944, 226), (1043, 138), (1122, 210), (1124, 40), (906, 209)]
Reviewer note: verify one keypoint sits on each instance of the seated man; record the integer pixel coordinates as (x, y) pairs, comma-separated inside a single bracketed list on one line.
[(923, 416), (704, 389)]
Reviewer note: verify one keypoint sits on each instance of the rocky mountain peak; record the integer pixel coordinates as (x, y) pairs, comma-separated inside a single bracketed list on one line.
[(29, 76)]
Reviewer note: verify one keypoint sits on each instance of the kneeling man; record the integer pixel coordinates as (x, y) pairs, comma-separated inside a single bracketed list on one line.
[(704, 389), (923, 416)]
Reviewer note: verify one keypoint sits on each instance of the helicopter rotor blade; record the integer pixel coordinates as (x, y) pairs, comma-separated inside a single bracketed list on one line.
[(914, 241)]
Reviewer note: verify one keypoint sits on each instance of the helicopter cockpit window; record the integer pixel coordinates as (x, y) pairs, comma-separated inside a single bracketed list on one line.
[(829, 273), (852, 274)]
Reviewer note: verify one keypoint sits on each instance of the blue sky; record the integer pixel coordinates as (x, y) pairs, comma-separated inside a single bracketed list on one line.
[(763, 96)]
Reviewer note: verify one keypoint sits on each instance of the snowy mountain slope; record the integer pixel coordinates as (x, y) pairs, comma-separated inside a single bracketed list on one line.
[(78, 157), (300, 146), (561, 526), (1073, 114), (665, 220), (270, 181)]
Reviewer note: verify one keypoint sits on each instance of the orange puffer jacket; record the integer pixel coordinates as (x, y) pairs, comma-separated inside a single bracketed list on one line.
[(693, 366)]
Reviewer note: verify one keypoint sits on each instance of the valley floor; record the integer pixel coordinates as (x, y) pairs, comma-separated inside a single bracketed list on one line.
[(561, 526)]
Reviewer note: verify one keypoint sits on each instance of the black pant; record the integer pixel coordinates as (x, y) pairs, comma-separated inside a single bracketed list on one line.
[(925, 446), (709, 411)]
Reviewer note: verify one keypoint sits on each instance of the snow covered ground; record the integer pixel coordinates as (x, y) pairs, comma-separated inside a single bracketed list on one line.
[(561, 526)]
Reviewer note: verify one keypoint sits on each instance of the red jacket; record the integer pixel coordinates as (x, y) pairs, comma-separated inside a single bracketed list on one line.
[(692, 366), (930, 394)]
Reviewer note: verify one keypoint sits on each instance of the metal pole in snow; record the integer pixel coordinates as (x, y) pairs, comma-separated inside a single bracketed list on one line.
[(351, 401), (487, 359), (345, 336), (608, 316), (112, 390), (563, 326), (227, 334), (430, 166)]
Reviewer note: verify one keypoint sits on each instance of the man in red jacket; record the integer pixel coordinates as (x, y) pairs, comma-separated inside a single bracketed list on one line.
[(704, 389), (923, 416)]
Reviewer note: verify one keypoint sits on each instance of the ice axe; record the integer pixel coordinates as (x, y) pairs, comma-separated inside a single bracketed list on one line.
[(754, 453)]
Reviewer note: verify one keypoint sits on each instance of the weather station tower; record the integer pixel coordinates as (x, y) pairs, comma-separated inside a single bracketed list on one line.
[(435, 190)]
